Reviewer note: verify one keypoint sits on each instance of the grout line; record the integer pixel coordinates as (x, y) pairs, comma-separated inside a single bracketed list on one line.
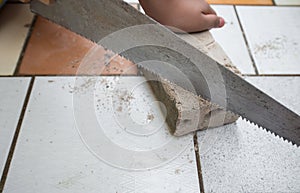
[(199, 170), (246, 41), (15, 138), (25, 45)]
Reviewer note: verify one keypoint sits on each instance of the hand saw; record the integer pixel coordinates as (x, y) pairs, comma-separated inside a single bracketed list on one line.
[(123, 30)]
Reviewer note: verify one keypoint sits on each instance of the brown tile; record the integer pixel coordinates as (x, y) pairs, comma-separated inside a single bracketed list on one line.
[(241, 2), (54, 50)]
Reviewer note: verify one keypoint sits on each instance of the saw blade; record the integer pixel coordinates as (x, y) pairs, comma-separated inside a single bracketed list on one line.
[(117, 26)]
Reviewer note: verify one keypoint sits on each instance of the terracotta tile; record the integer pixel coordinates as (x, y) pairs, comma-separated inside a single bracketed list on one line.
[(241, 2), (54, 50)]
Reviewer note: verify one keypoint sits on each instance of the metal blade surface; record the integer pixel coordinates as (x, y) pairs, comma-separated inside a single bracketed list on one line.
[(119, 27)]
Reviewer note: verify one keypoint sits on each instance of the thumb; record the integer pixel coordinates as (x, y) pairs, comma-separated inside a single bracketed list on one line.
[(213, 21)]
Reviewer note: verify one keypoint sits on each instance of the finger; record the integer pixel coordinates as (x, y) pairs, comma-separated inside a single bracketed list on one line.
[(207, 9), (212, 21), (222, 22)]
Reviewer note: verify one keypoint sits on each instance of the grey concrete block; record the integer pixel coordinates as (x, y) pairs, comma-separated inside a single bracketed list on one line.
[(186, 111)]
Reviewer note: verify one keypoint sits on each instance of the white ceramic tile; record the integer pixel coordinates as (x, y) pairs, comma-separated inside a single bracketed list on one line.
[(15, 20), (13, 92), (77, 135), (283, 89), (230, 37), (132, 1), (243, 158), (142, 10), (273, 36), (287, 2)]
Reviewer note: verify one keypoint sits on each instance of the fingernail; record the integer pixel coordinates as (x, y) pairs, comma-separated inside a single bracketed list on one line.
[(222, 22)]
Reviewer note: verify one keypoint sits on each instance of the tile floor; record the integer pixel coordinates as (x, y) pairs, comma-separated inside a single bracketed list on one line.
[(13, 92), (275, 48), (231, 39), (234, 158), (57, 140), (243, 158)]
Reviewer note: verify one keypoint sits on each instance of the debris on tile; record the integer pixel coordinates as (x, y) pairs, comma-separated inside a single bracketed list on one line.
[(273, 42)]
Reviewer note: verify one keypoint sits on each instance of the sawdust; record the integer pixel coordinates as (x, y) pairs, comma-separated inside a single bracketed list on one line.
[(83, 87), (177, 171), (126, 97), (273, 48), (232, 68), (150, 117), (119, 109), (122, 99), (74, 63)]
